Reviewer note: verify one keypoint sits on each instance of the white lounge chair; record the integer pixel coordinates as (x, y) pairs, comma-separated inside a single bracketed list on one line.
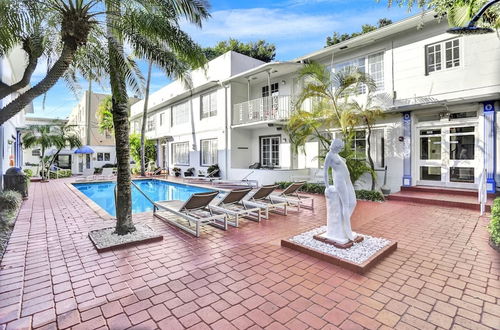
[(195, 209), (291, 196), (261, 199), (107, 174), (88, 174), (243, 182), (209, 178), (232, 205)]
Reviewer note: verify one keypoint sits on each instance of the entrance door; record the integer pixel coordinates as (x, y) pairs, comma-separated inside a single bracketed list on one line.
[(447, 156)]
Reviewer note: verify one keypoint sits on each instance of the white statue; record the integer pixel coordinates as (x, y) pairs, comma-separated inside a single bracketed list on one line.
[(340, 198)]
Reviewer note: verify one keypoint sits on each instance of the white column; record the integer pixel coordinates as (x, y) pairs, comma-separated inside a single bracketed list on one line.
[(489, 145), (407, 181)]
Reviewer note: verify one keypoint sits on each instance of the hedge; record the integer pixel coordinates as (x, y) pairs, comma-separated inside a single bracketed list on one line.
[(316, 188), (494, 226), (60, 174)]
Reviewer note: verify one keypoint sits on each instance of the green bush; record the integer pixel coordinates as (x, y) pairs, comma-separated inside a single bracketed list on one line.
[(28, 172), (10, 200), (494, 226), (317, 188), (60, 174)]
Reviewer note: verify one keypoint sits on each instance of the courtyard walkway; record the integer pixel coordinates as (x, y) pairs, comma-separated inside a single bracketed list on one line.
[(442, 275)]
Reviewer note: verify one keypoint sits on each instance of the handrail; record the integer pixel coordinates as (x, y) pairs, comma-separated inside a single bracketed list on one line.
[(144, 194), (482, 194)]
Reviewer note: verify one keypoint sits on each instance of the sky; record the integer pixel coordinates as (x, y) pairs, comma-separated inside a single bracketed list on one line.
[(296, 27)]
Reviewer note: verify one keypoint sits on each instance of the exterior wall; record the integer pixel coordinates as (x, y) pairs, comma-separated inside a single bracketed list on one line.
[(78, 118), (11, 70)]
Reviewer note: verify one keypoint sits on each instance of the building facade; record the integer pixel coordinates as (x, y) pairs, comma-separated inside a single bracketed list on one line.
[(11, 70), (439, 93)]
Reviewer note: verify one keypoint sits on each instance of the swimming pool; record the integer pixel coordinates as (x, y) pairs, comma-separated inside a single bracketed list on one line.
[(102, 193)]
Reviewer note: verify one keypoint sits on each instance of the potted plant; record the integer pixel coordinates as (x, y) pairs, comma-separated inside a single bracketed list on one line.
[(177, 171), (189, 172), (214, 167)]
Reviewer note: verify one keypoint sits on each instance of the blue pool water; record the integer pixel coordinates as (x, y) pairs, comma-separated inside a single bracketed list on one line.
[(103, 193)]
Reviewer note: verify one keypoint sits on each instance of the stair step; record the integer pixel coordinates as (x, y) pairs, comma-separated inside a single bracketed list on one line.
[(450, 199), (440, 190)]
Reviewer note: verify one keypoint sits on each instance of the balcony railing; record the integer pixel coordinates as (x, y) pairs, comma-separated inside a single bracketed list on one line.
[(277, 107)]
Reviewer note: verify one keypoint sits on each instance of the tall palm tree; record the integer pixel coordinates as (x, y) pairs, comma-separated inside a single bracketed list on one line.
[(151, 28), (144, 119), (40, 136), (52, 28), (65, 137)]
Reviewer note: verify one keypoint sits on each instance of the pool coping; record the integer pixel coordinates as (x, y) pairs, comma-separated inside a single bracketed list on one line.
[(105, 215)]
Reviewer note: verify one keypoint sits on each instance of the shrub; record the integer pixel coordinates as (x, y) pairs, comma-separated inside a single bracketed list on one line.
[(60, 174), (317, 188), (10, 200), (28, 172), (212, 168), (494, 226)]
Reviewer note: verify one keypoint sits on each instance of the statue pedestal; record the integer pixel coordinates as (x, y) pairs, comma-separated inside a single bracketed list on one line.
[(323, 238)]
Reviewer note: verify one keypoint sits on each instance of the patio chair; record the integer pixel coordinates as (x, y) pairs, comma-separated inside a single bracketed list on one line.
[(261, 199), (107, 174), (232, 205), (210, 176), (195, 209), (243, 182), (291, 196), (88, 174)]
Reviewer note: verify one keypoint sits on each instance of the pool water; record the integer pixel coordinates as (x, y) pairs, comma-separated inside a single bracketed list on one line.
[(103, 193)]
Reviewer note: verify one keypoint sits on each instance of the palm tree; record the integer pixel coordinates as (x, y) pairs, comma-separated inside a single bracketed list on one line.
[(367, 116), (104, 116), (151, 28), (40, 136), (52, 28), (66, 137)]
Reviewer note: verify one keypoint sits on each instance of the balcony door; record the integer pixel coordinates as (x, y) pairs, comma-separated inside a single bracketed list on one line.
[(270, 101), (448, 156)]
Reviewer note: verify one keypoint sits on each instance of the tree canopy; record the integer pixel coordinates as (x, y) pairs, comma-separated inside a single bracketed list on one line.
[(458, 12), (365, 28), (260, 50)]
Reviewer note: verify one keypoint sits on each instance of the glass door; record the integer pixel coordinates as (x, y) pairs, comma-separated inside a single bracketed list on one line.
[(447, 156)]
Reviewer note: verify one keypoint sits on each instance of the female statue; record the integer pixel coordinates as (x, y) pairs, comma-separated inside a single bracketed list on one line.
[(340, 197)]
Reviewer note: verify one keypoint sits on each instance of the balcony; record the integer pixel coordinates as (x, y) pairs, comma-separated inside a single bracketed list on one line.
[(269, 108)]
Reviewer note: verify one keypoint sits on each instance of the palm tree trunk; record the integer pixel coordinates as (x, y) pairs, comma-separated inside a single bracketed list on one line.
[(123, 203), (52, 160), (60, 66), (144, 118), (369, 151), (43, 163)]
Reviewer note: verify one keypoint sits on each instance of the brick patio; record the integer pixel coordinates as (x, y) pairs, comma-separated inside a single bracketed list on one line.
[(442, 275)]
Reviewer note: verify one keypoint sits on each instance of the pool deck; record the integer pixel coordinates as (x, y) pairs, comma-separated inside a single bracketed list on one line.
[(443, 274)]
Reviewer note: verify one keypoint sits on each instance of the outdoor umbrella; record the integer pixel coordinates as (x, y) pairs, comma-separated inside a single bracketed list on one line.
[(84, 150)]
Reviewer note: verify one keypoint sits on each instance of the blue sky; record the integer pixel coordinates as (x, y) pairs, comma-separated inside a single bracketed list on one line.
[(296, 27)]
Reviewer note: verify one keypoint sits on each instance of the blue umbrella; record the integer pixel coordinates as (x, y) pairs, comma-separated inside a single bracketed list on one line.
[(84, 150)]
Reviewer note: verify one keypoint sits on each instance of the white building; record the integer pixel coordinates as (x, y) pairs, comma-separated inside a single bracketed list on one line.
[(439, 91), (11, 71)]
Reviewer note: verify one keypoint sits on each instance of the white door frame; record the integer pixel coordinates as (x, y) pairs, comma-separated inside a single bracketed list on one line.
[(445, 162)]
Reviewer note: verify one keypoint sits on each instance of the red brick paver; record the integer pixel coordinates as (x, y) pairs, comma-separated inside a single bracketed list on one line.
[(443, 273)]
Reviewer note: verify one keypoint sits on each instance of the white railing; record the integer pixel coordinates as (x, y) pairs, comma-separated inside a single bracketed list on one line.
[(482, 195), (278, 107)]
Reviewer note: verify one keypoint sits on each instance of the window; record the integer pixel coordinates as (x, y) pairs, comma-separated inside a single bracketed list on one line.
[(441, 55), (270, 151), (150, 124), (208, 152), (161, 118), (180, 113), (358, 144), (208, 105), (274, 90), (180, 153), (103, 156), (378, 148), (371, 64)]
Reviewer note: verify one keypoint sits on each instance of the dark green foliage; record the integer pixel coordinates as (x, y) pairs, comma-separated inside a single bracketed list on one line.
[(365, 28), (494, 226), (318, 188), (10, 200), (28, 172), (260, 50)]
